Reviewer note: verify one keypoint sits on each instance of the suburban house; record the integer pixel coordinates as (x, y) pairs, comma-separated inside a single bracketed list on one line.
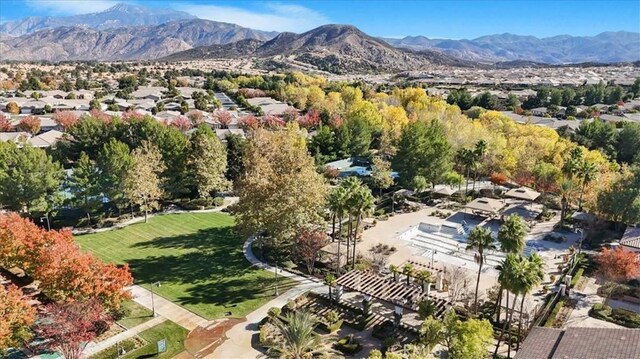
[(539, 111), (46, 139), (631, 239), (268, 105)]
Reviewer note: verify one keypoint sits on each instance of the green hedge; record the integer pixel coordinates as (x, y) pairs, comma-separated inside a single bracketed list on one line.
[(552, 317), (618, 316), (577, 277)]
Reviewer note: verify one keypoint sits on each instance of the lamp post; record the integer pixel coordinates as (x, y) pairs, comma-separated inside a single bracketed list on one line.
[(153, 304), (581, 239), (276, 270), (48, 223), (433, 252)]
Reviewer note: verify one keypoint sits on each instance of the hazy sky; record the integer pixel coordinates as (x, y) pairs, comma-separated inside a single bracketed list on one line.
[(440, 19)]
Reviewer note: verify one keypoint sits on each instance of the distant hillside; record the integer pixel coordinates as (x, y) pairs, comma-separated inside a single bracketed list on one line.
[(124, 43), (333, 48), (120, 15), (607, 47)]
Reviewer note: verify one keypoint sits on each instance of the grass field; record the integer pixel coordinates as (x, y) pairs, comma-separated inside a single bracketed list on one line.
[(136, 314), (197, 258)]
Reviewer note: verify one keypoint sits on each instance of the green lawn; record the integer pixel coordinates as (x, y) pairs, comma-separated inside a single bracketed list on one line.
[(135, 315), (172, 332), (197, 257)]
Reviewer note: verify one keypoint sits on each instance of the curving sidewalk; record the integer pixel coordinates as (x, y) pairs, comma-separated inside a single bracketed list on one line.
[(241, 336)]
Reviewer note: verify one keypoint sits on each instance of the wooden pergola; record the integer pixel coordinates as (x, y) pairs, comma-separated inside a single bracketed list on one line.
[(388, 290)]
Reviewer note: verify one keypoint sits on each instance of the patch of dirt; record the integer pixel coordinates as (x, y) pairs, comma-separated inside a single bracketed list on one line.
[(204, 341)]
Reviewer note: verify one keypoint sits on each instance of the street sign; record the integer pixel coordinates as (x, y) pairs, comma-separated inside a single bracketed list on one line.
[(162, 345)]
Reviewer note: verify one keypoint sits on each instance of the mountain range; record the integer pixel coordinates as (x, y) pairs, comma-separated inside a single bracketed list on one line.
[(127, 32), (607, 47), (333, 48), (120, 15)]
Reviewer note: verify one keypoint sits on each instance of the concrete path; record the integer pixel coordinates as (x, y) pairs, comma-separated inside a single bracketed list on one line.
[(93, 348), (586, 298), (241, 336), (167, 309)]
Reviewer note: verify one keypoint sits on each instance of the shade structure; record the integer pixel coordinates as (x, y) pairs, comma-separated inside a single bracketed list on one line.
[(523, 193), (487, 205), (444, 190), (583, 216)]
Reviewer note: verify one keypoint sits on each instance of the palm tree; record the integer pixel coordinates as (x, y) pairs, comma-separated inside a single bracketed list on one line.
[(478, 153), (395, 270), (407, 270), (423, 276), (337, 205), (350, 186), (466, 158), (513, 277), (511, 234), (566, 191), (535, 276), (363, 203), (511, 237), (480, 240), (297, 338), (587, 171)]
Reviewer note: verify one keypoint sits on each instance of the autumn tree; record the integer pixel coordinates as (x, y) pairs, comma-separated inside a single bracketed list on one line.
[(280, 191), (29, 124), (249, 122), (67, 327), (65, 119), (13, 108), (309, 244), (381, 174), (207, 162), (222, 117), (181, 123), (16, 318), (620, 201), (196, 117), (29, 178), (423, 150), (5, 123), (618, 265), (142, 180)]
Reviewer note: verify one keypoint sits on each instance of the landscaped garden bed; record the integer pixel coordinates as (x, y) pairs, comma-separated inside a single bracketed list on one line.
[(618, 316)]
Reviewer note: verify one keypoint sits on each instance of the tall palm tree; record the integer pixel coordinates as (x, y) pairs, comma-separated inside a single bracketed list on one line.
[(565, 191), (363, 204), (337, 205), (587, 171), (408, 270), (513, 277), (466, 158), (511, 237), (478, 153), (297, 338), (350, 185), (480, 240), (511, 234), (534, 276)]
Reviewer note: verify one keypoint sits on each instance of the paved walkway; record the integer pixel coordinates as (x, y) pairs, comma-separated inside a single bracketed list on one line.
[(93, 348), (586, 298), (243, 335), (167, 309)]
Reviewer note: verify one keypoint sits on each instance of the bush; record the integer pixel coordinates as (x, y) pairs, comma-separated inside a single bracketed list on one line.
[(626, 318), (577, 277), (274, 312), (218, 201), (552, 317), (618, 316), (348, 345)]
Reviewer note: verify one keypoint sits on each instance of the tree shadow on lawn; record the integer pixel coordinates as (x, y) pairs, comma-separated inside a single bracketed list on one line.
[(211, 256), (232, 292)]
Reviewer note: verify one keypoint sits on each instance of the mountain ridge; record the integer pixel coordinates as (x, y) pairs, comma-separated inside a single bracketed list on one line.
[(606, 47)]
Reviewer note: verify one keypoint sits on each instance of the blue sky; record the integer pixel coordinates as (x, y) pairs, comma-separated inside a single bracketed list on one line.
[(435, 19)]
